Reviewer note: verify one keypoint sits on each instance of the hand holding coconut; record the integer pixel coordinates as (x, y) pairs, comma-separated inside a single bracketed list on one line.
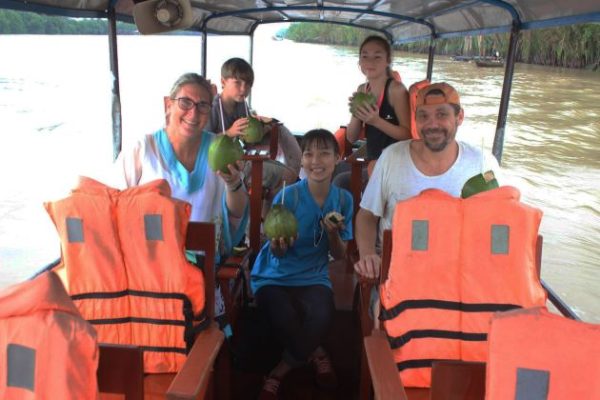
[(280, 246), (223, 152), (237, 128), (233, 178), (363, 105), (281, 228)]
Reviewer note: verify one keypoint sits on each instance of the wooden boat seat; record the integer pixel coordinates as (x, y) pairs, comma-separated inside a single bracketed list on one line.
[(232, 274), (121, 376), (120, 369), (357, 162), (458, 380), (257, 156), (450, 380)]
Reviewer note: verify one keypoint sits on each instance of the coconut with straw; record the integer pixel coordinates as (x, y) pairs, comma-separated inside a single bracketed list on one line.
[(280, 222)]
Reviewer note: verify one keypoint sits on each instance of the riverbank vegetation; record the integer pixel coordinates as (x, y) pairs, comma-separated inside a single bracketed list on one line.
[(29, 23), (575, 46)]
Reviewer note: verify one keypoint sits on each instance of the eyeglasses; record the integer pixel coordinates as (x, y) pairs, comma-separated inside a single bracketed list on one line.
[(187, 104)]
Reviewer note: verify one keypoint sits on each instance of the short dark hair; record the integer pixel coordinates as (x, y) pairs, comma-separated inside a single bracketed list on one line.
[(322, 138), (239, 69)]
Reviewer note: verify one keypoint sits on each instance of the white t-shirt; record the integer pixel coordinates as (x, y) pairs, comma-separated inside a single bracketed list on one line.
[(144, 163), (395, 177)]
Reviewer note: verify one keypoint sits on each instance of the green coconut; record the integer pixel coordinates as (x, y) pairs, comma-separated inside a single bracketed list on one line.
[(254, 132), (361, 99), (479, 183), (280, 223), (224, 151)]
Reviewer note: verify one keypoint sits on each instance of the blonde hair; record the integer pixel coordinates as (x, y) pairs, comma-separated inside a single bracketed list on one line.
[(190, 78)]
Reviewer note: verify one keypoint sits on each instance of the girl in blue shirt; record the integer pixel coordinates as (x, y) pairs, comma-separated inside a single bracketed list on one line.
[(290, 278)]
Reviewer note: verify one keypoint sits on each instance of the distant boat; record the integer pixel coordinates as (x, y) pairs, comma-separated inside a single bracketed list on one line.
[(490, 63), (477, 58), (462, 58)]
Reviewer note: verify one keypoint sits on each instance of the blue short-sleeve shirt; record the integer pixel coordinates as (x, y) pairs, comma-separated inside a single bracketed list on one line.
[(306, 262)]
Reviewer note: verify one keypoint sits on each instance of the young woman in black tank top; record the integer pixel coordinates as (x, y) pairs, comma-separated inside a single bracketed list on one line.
[(389, 121), (385, 123)]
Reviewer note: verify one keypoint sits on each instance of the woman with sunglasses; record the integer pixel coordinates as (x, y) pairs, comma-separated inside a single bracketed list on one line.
[(178, 152), (290, 278)]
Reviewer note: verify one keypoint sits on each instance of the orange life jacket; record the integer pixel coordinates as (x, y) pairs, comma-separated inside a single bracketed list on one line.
[(340, 137), (534, 354), (412, 96), (47, 350), (455, 262), (124, 265)]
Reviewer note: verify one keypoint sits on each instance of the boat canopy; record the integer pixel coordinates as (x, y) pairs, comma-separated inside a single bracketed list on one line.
[(401, 21)]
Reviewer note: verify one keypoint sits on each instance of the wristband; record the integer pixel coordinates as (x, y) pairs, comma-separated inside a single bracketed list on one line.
[(235, 189)]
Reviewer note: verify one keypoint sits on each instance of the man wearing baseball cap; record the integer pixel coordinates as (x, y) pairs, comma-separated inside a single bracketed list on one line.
[(435, 161)]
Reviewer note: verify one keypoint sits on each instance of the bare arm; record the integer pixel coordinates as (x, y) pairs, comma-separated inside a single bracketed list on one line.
[(401, 103), (337, 246), (236, 196), (369, 263)]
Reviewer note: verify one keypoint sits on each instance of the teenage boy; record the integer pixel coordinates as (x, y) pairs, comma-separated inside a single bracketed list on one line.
[(229, 115)]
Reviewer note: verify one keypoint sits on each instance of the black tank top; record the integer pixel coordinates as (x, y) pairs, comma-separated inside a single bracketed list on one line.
[(376, 139)]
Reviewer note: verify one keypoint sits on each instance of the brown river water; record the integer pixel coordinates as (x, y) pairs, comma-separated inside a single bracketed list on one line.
[(55, 108)]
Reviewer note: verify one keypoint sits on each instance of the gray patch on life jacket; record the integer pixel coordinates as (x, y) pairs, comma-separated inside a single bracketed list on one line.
[(500, 238), (153, 226), (21, 366), (75, 230), (532, 384), (420, 235)]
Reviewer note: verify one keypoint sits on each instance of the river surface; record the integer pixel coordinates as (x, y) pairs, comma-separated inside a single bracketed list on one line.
[(55, 113)]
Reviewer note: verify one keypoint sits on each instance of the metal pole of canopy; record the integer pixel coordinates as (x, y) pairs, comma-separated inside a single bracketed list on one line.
[(204, 53), (506, 88), (251, 63), (117, 137), (430, 59)]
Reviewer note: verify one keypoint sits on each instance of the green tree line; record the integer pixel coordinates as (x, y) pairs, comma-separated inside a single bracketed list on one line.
[(16, 22), (575, 46)]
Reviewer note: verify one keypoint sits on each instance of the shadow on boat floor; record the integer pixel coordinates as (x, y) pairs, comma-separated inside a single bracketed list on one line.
[(256, 352)]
